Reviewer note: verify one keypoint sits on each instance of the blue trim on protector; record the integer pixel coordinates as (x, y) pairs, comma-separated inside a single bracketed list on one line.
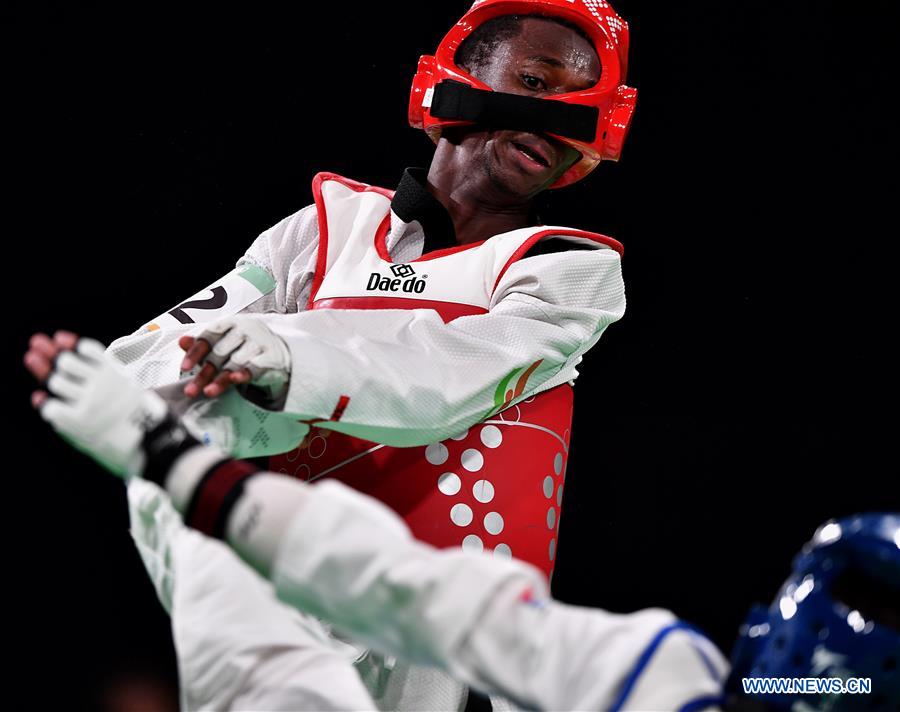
[(713, 671), (703, 703), (648, 652)]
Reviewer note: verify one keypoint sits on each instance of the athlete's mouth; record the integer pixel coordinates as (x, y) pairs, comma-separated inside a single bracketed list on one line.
[(532, 154)]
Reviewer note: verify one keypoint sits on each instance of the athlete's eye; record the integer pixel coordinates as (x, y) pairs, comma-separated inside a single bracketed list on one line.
[(534, 83)]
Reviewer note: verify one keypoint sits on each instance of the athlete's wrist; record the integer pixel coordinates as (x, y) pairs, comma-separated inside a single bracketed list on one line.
[(161, 447), (203, 483)]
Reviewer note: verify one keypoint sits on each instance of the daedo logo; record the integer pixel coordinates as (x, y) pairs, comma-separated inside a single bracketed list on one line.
[(404, 280)]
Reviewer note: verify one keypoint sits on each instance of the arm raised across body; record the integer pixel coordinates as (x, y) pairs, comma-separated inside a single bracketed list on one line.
[(271, 277), (404, 377)]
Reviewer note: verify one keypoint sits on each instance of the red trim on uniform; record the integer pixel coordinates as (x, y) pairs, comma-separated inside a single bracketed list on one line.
[(340, 408), (538, 236), (449, 251), (352, 184), (381, 249), (322, 248), (380, 238), (448, 311), (213, 492), (321, 216)]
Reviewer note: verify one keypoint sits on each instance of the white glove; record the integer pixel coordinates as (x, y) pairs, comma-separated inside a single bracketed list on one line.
[(100, 410), (242, 342)]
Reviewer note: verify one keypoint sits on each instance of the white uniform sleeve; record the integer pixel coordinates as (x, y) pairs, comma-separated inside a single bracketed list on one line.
[(166, 547), (285, 252), (238, 646), (288, 250), (411, 379), (488, 621)]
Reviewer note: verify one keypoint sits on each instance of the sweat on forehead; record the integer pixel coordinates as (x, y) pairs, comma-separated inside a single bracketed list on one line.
[(478, 47)]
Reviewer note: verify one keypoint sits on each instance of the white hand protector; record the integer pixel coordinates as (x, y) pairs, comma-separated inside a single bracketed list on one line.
[(240, 342), (99, 410)]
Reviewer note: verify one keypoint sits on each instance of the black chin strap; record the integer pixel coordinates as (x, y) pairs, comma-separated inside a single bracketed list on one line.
[(457, 101)]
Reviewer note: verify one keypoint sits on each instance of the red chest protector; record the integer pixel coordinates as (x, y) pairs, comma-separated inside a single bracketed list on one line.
[(496, 487)]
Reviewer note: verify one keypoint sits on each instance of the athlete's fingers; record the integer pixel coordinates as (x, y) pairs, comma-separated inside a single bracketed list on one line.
[(221, 384), (241, 357), (212, 334), (196, 353), (229, 343), (38, 398), (74, 367), (43, 344), (217, 329), (63, 387), (54, 410), (65, 340), (242, 376), (200, 381), (38, 365), (199, 347), (92, 349)]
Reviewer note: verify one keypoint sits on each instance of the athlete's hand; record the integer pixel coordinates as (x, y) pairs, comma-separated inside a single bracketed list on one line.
[(41, 354), (239, 349), (91, 403)]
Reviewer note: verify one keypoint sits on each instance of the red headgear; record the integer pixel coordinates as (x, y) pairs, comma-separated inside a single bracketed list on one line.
[(613, 100)]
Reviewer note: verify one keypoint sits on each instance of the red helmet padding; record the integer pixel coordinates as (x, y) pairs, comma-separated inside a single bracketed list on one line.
[(614, 100)]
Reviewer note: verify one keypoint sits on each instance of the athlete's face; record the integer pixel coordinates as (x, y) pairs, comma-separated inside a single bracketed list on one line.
[(545, 58)]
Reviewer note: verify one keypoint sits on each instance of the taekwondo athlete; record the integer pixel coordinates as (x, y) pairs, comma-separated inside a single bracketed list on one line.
[(489, 622), (377, 328)]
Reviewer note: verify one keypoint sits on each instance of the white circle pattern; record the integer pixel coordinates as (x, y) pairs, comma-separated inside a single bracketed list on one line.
[(483, 491), (437, 453), (491, 436), (493, 522), (548, 486), (473, 543), (461, 515), (449, 483), (472, 460)]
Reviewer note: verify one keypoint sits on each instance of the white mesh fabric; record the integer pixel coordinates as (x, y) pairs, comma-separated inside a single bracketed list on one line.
[(405, 241), (401, 687), (414, 380), (288, 250), (585, 283), (556, 305), (151, 358)]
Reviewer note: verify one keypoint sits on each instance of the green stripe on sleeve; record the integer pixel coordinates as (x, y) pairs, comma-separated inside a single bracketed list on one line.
[(258, 277)]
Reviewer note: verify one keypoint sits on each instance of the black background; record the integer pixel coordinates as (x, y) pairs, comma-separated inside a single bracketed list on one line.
[(745, 397)]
